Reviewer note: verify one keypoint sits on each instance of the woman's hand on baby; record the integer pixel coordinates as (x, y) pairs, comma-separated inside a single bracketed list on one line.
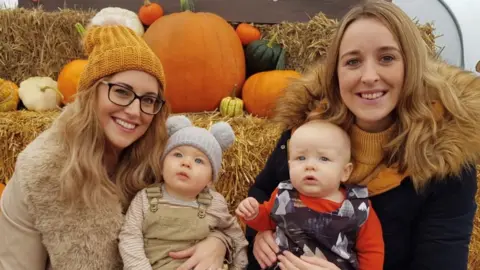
[(288, 261), (207, 254), (247, 209), (265, 249)]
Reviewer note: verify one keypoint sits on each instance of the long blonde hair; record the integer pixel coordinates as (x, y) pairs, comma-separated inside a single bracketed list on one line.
[(84, 177), (416, 119)]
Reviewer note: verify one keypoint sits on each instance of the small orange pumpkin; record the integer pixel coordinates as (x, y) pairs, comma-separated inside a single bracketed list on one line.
[(261, 90), (247, 33), (150, 12), (68, 79)]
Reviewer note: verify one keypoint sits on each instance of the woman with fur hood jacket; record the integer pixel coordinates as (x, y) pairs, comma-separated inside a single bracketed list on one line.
[(414, 125)]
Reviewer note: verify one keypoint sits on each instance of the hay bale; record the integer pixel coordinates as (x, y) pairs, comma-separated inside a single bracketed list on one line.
[(474, 255), (17, 130), (305, 42), (255, 139), (38, 43), (240, 164)]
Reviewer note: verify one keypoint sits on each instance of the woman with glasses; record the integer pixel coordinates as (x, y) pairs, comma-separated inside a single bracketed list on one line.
[(65, 204)]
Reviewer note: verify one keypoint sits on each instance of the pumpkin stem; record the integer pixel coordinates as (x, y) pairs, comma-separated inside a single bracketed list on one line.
[(43, 88), (187, 5), (234, 91), (272, 40), (146, 2), (80, 29)]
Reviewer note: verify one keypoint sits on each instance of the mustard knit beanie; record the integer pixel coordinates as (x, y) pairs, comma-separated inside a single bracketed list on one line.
[(117, 48)]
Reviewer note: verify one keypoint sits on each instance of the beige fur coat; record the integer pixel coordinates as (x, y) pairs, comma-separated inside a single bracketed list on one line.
[(85, 239)]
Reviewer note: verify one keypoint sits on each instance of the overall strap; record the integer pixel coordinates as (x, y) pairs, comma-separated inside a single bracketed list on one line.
[(154, 194), (287, 185), (204, 200), (356, 191), (357, 201)]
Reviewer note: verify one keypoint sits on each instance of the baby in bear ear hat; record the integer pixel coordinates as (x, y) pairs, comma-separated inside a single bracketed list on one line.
[(182, 208)]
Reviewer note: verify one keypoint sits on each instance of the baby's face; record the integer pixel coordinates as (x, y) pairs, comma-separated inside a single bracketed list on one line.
[(186, 172), (319, 157)]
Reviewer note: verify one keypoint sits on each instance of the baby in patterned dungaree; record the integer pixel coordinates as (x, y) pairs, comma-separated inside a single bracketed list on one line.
[(182, 210), (315, 213)]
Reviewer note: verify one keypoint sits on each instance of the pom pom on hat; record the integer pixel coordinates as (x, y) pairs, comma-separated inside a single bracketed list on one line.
[(118, 16), (177, 122), (223, 132), (108, 17)]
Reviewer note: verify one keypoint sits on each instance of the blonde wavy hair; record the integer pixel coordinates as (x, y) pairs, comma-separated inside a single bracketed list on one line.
[(84, 177), (415, 114)]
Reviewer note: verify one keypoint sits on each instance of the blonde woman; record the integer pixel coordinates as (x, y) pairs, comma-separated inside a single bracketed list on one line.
[(414, 126), (65, 204)]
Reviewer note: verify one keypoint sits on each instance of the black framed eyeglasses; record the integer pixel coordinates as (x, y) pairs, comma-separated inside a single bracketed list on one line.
[(123, 95)]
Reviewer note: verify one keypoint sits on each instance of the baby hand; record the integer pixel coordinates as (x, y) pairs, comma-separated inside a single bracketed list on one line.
[(247, 209)]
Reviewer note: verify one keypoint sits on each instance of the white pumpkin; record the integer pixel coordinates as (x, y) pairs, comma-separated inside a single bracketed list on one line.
[(115, 16), (40, 94)]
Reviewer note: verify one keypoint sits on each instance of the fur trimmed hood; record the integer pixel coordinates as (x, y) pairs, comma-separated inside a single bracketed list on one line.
[(453, 146)]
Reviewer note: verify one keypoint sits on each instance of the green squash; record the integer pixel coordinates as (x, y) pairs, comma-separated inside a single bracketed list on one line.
[(264, 55)]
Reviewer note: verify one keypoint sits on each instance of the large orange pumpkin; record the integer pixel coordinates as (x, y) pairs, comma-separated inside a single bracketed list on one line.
[(261, 90), (202, 56), (68, 79)]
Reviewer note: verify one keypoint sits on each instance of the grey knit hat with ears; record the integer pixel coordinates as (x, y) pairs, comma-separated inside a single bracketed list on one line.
[(211, 142)]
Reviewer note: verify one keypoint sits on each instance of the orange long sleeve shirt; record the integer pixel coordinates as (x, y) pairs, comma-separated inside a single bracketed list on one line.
[(369, 246)]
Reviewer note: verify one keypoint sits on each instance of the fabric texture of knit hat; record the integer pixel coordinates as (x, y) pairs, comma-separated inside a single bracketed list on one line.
[(115, 48), (211, 142)]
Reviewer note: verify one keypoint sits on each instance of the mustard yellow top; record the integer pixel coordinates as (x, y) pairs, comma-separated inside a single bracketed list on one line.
[(368, 156)]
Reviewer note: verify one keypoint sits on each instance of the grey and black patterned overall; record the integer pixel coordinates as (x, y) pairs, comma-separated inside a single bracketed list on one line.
[(332, 235)]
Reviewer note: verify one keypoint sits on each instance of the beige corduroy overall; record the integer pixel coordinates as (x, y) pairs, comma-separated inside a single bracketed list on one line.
[(169, 227)]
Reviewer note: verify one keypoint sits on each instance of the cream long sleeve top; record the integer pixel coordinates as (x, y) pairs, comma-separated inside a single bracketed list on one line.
[(132, 241)]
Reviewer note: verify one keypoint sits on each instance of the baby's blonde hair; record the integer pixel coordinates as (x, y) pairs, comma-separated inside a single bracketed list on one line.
[(320, 123)]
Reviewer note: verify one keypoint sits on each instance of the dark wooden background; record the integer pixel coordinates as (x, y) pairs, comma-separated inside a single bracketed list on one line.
[(257, 11)]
